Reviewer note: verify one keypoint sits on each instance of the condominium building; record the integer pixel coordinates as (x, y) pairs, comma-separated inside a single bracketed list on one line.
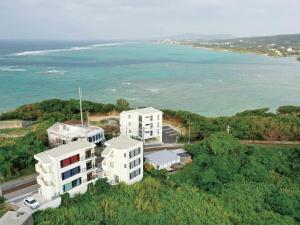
[(67, 168), (123, 160), (61, 133), (145, 124)]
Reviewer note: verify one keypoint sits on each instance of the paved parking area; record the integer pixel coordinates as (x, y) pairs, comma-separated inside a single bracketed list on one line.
[(169, 134)]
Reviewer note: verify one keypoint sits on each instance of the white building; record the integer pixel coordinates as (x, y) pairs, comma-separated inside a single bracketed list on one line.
[(60, 133), (67, 168), (145, 124), (162, 159), (123, 160)]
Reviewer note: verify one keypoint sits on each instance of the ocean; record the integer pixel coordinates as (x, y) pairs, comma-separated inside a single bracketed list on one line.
[(204, 81)]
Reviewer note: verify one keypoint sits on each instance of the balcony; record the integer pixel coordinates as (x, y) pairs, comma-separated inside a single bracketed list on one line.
[(41, 181), (87, 157), (88, 169), (41, 169)]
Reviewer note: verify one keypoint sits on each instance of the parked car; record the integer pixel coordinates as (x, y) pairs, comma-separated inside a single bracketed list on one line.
[(31, 203)]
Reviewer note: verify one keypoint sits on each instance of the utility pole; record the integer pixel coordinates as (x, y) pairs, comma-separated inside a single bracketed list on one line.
[(189, 133), (80, 103), (88, 118)]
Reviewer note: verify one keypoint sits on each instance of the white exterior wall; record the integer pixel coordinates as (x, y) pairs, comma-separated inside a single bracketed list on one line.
[(115, 163), (50, 174), (61, 136), (129, 124)]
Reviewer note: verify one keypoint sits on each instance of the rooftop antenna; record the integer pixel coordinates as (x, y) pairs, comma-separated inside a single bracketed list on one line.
[(80, 99)]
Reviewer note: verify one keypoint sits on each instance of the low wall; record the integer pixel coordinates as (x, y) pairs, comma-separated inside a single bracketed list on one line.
[(15, 124), (52, 204)]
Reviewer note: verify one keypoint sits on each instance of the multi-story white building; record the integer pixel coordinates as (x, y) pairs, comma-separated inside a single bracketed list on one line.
[(61, 133), (67, 168), (123, 160), (145, 123)]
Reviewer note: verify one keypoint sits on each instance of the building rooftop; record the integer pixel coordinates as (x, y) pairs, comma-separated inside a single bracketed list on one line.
[(162, 157), (75, 130), (122, 142), (147, 110), (64, 149)]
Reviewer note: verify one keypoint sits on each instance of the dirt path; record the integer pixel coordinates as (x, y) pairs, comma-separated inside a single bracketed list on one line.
[(278, 143)]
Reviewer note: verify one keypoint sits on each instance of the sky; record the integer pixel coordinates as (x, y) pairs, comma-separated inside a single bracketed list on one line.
[(145, 19)]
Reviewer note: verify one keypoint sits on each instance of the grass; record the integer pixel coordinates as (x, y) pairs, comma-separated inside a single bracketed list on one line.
[(2, 210)]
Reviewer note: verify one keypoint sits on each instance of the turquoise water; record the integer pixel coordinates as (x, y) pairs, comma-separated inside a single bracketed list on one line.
[(165, 76)]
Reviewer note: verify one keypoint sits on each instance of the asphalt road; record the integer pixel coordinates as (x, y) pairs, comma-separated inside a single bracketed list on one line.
[(17, 190)]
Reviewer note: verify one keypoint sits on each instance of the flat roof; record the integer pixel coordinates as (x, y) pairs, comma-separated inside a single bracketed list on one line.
[(147, 110), (162, 157), (73, 130), (65, 149), (122, 142)]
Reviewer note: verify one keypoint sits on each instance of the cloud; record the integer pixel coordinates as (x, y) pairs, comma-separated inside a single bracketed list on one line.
[(127, 19)]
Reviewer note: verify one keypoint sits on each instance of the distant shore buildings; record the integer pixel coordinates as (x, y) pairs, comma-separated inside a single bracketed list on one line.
[(61, 133)]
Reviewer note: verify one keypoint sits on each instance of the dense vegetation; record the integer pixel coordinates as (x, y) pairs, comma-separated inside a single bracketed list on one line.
[(227, 183), (248, 125), (58, 109), (289, 109), (16, 154)]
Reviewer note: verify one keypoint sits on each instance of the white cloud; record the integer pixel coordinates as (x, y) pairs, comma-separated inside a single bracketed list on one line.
[(105, 19)]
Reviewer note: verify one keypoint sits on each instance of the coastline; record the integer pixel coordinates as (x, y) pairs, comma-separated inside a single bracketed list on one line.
[(295, 57)]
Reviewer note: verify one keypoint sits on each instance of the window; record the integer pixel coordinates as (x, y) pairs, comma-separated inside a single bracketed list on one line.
[(129, 123), (134, 173), (129, 116), (111, 164), (151, 133), (89, 176), (125, 166), (70, 173), (88, 154), (151, 118), (71, 184), (94, 138), (157, 117), (157, 124), (89, 165), (134, 152), (134, 163), (90, 139), (69, 161), (151, 125), (129, 131), (124, 155)]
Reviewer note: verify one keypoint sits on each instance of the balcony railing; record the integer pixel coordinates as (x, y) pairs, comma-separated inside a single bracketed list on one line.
[(87, 169)]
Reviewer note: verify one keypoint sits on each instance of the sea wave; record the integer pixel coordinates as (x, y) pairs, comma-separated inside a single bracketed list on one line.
[(126, 83), (153, 90), (11, 69), (56, 72), (76, 48)]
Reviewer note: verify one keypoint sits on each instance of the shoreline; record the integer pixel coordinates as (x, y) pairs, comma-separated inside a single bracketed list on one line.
[(295, 57)]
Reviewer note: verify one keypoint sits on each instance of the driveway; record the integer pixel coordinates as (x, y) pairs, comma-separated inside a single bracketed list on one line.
[(169, 134)]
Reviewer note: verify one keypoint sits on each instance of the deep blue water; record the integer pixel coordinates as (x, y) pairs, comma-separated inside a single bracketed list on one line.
[(165, 76)]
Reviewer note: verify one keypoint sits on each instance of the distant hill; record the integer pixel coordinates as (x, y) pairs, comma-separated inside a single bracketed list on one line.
[(276, 45), (275, 39)]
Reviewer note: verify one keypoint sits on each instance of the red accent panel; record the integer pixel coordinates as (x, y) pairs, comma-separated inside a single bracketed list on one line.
[(69, 161)]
